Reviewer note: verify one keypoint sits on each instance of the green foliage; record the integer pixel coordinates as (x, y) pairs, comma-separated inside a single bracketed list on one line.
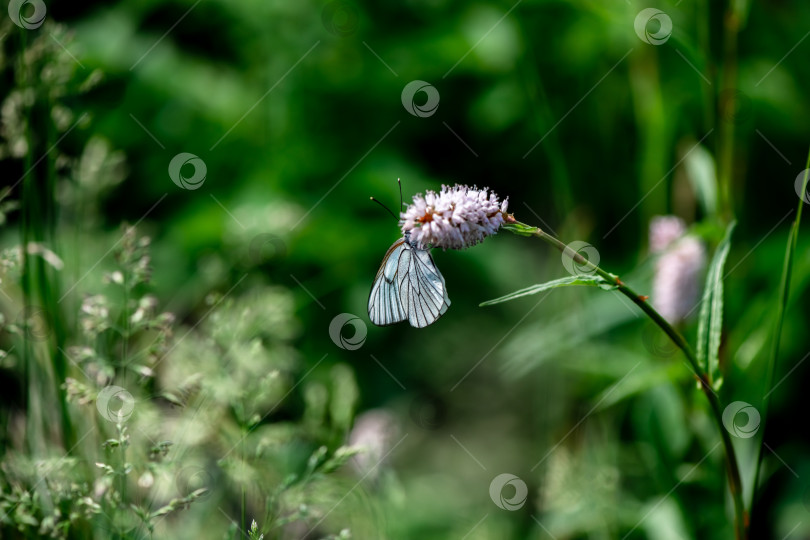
[(211, 307), (591, 281), (254, 532), (710, 327)]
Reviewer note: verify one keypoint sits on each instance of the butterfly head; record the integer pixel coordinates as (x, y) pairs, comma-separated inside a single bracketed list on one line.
[(416, 245)]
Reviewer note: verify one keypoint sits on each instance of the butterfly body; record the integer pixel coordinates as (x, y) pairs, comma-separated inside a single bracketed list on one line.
[(408, 286)]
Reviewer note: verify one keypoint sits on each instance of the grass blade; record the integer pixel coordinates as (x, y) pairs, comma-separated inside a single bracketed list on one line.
[(784, 295), (593, 281), (710, 326)]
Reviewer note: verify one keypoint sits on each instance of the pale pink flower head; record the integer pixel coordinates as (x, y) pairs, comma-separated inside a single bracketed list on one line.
[(664, 230), (375, 433), (678, 270), (455, 218)]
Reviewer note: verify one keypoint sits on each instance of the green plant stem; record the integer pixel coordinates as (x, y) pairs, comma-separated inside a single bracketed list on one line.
[(784, 294), (244, 512), (703, 25), (122, 486), (44, 363), (734, 482), (725, 150), (245, 432)]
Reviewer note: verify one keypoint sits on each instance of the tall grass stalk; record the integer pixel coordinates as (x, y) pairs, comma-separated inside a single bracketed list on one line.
[(781, 308), (725, 146), (45, 365)]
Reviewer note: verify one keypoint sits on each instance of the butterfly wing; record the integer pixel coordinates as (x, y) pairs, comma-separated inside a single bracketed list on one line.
[(384, 303), (422, 290)]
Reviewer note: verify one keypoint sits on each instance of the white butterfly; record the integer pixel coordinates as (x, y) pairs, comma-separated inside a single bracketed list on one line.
[(407, 286)]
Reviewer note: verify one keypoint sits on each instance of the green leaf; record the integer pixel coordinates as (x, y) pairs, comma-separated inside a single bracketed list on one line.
[(645, 379), (593, 281), (173, 398), (711, 313), (520, 229), (341, 456), (701, 171), (344, 398), (781, 309), (315, 459)]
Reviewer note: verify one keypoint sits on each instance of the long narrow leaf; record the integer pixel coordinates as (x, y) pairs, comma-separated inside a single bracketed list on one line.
[(710, 326), (784, 297), (592, 281)]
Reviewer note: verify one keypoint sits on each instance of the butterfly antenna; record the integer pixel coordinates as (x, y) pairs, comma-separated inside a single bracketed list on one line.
[(400, 193), (386, 208)]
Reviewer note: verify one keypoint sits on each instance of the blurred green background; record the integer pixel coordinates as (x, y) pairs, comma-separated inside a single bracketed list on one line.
[(295, 108)]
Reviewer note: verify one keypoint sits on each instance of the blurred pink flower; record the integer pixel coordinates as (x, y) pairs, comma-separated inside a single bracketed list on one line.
[(678, 270), (664, 230), (375, 432)]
